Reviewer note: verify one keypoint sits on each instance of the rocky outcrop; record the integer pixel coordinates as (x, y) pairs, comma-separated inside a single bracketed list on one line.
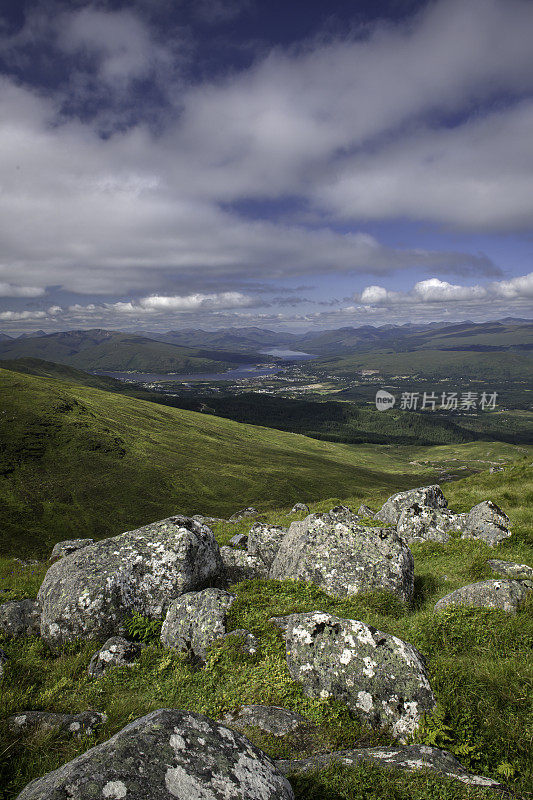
[(67, 547), (364, 511), (241, 566), (422, 523), (195, 620), (511, 570), (345, 558), (505, 595), (116, 652), (380, 677), (20, 618), (271, 719), (77, 725), (167, 755), (408, 757), (430, 496), (264, 542), (91, 592), (239, 540), (243, 514), (487, 522), (300, 508)]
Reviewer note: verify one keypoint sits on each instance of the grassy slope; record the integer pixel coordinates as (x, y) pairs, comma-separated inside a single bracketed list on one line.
[(479, 663)]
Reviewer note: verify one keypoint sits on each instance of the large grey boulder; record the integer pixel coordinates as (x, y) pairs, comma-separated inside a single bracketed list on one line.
[(167, 755), (77, 725), (241, 566), (299, 508), (264, 542), (504, 595), (91, 592), (116, 652), (345, 558), (510, 570), (380, 677), (271, 719), (430, 496), (195, 620), (243, 514), (487, 522), (69, 546), (425, 524), (20, 618), (408, 757)]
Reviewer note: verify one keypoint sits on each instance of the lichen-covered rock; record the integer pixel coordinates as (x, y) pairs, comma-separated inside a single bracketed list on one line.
[(241, 566), (93, 591), (378, 676), (271, 719), (364, 511), (409, 757), (239, 540), (20, 618), (246, 641), (339, 514), (487, 522), (504, 595), (511, 570), (422, 523), (78, 725), (345, 558), (167, 755), (243, 514), (264, 542), (195, 620), (62, 549), (116, 652), (300, 508), (430, 496)]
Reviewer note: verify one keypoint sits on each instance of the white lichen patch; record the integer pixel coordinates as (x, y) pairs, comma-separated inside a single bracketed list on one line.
[(346, 656), (365, 701), (114, 790)]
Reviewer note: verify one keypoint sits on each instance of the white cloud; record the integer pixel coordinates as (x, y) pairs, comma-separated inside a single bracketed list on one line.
[(11, 316), (521, 287), (194, 301), (10, 290)]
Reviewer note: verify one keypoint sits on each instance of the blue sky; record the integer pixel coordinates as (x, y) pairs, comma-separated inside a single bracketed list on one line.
[(168, 164)]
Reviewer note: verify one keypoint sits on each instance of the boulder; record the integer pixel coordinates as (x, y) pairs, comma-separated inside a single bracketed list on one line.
[(339, 514), (504, 595), (67, 547), (380, 677), (241, 566), (345, 558), (78, 725), (91, 592), (264, 542), (207, 520), (487, 522), (300, 508), (391, 510), (245, 640), (167, 755), (422, 523), (116, 652), (410, 757), (364, 511), (239, 540), (271, 719), (20, 618), (243, 514), (510, 570), (195, 620)]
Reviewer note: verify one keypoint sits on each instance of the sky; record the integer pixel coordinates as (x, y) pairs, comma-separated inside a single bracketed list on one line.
[(170, 164)]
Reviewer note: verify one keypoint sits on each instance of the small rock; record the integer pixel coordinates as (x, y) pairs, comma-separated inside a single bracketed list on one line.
[(379, 677), (487, 522), (77, 725), (511, 570), (271, 719), (247, 641), (195, 620), (241, 566), (300, 508), (410, 757), (239, 540), (391, 510), (243, 514), (504, 595), (20, 618), (4, 658), (207, 520), (167, 755), (364, 511), (422, 523), (69, 546), (116, 652), (264, 542), (495, 469), (344, 558)]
